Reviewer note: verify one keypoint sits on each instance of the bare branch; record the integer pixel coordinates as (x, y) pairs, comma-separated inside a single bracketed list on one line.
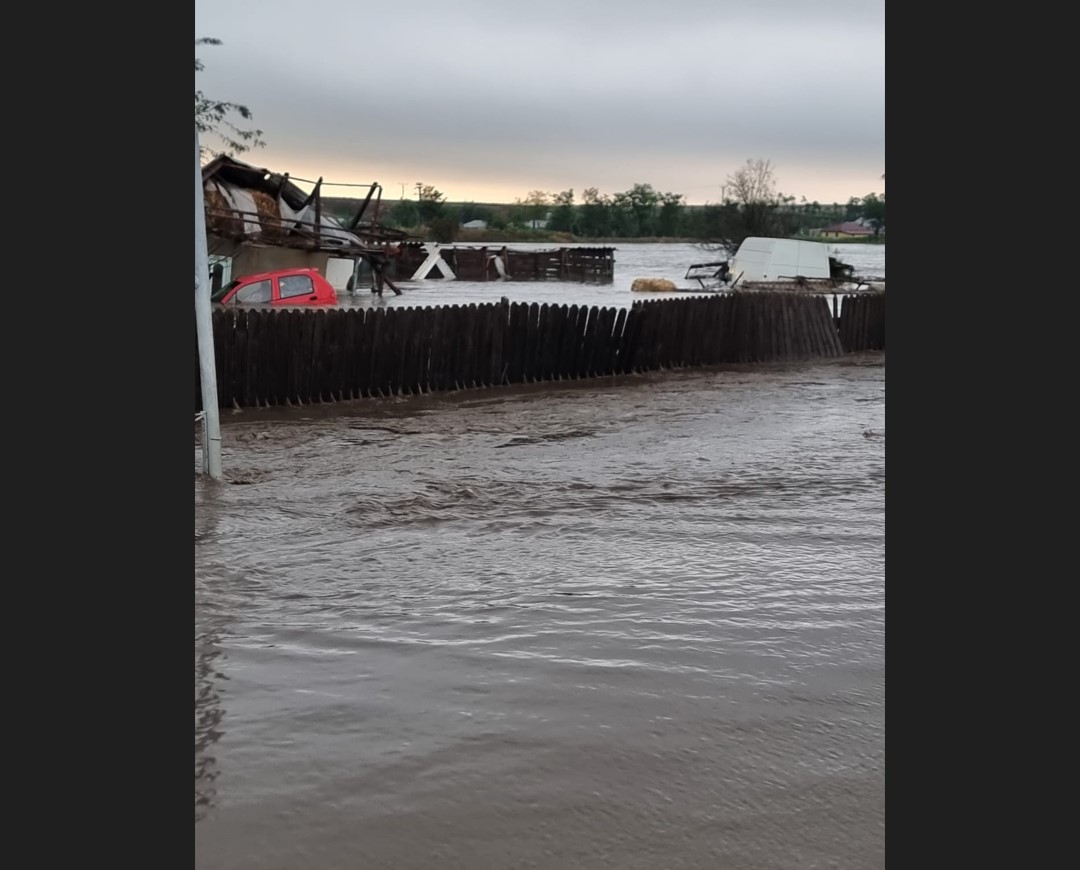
[(750, 208)]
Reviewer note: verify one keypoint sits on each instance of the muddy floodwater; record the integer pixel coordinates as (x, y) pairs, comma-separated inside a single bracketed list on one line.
[(632, 260), (624, 623)]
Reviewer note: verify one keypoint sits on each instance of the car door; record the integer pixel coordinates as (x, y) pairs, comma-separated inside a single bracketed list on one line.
[(295, 290), (255, 293)]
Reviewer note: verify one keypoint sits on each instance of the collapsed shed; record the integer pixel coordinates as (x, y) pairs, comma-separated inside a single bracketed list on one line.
[(262, 220)]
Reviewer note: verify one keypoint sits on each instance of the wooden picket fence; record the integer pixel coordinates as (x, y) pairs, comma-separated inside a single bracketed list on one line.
[(271, 357), (862, 322)]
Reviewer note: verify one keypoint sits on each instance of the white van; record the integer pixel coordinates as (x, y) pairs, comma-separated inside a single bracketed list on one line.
[(779, 260), (772, 261)]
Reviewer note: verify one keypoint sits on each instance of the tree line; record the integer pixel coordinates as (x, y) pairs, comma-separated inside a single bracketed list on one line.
[(751, 206)]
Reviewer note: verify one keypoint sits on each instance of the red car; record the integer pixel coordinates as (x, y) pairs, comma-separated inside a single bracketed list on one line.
[(282, 287)]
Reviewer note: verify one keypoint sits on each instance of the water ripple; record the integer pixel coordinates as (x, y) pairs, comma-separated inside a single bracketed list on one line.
[(588, 625)]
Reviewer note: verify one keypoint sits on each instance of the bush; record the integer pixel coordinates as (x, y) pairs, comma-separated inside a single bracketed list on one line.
[(444, 230)]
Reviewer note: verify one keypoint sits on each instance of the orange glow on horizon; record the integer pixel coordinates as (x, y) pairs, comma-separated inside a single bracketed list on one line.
[(352, 180)]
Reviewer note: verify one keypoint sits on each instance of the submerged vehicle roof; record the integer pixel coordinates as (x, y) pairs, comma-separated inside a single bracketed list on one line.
[(764, 259)]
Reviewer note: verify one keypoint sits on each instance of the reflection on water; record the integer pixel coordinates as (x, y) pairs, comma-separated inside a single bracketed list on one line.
[(210, 623), (208, 718)]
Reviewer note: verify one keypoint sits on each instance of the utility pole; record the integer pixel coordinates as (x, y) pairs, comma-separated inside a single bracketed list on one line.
[(204, 329)]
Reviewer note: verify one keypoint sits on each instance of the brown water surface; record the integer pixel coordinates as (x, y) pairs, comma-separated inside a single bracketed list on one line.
[(626, 623)]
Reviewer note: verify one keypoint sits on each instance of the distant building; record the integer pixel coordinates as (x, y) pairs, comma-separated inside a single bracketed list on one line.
[(845, 230), (474, 225)]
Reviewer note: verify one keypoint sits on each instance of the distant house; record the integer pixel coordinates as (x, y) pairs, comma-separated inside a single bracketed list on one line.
[(846, 230), (474, 225)]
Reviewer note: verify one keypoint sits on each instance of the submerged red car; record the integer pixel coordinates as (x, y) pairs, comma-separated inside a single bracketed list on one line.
[(282, 287)]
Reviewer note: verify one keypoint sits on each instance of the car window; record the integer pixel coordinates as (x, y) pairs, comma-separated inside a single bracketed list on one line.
[(222, 292), (295, 285), (253, 293)]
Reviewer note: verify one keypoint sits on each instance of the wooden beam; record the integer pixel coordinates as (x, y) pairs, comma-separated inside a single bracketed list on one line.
[(311, 196), (356, 220), (380, 276), (317, 193), (391, 285), (378, 204)]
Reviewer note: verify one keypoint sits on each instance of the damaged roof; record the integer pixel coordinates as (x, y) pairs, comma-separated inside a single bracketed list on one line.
[(247, 203)]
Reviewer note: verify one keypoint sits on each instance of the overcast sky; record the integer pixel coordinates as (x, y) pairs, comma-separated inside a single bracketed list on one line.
[(490, 100)]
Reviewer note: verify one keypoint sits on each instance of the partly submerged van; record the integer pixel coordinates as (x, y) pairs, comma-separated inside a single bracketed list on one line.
[(762, 263)]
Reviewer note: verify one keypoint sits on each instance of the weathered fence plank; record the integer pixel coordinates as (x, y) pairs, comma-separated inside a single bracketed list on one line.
[(267, 357)]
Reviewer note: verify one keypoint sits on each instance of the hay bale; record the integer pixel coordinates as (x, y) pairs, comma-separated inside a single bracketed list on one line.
[(221, 219), (269, 216), (652, 285)]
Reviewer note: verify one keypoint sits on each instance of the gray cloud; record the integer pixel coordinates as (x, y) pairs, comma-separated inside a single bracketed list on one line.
[(481, 95)]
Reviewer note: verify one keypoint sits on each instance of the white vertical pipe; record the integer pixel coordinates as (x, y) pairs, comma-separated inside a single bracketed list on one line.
[(204, 326)]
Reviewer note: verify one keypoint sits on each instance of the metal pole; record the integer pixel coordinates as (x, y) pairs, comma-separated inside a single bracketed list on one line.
[(204, 326)]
